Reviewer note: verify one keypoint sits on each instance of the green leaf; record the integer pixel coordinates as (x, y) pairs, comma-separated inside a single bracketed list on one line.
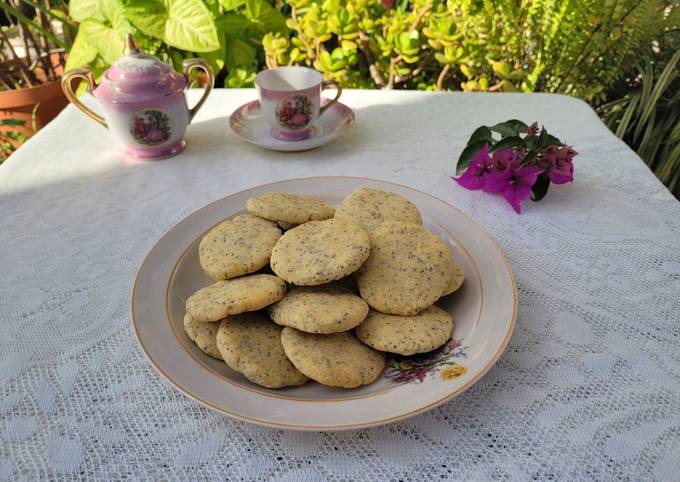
[(482, 133), (468, 154), (239, 54), (507, 143), (234, 25), (240, 78), (348, 45), (505, 129), (16, 136), (81, 53), (667, 76), (265, 17), (542, 141), (213, 7), (554, 140), (12, 122), (82, 9), (107, 42), (113, 13), (540, 187), (148, 16), (190, 26), (518, 125), (216, 58), (231, 4), (501, 68)]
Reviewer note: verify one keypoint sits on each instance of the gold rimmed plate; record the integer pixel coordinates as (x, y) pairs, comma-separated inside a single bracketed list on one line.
[(484, 310)]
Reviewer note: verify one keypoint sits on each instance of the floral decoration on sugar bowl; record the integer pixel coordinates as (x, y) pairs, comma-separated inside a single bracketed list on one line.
[(295, 112), (150, 127), (521, 164), (416, 369)]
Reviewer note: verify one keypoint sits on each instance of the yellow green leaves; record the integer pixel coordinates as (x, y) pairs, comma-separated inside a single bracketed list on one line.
[(264, 18), (407, 45), (81, 53), (184, 24), (80, 10)]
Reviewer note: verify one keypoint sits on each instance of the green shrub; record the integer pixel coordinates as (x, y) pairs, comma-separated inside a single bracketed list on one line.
[(647, 113), (565, 46), (227, 33), (573, 47)]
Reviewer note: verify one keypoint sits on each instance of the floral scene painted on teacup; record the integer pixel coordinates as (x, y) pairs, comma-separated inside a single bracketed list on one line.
[(295, 112)]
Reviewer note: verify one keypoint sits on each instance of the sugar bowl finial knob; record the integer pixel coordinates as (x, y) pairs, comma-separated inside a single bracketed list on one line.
[(131, 46), (143, 101)]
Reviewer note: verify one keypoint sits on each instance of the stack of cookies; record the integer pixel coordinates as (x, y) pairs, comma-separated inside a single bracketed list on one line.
[(305, 291)]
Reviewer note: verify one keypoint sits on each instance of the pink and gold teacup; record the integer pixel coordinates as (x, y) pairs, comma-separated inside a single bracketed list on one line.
[(290, 100)]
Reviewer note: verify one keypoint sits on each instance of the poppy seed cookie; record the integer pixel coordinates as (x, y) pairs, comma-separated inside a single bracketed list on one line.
[(319, 309), (370, 207), (337, 360), (408, 269), (251, 344), (406, 335), (457, 278), (289, 208), (233, 296), (237, 246), (204, 334), (319, 252)]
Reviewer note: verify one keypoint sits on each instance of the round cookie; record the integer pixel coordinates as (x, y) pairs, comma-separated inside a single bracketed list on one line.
[(337, 360), (289, 208), (457, 278), (233, 296), (406, 335), (370, 207), (204, 334), (237, 246), (251, 344), (319, 252), (319, 309), (408, 269)]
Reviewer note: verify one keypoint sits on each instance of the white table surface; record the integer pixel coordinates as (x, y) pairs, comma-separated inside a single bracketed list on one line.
[(588, 388)]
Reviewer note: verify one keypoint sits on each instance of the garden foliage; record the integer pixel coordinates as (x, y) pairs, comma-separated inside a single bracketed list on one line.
[(574, 47)]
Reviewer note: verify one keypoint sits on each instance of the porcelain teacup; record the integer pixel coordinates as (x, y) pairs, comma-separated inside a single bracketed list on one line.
[(290, 100)]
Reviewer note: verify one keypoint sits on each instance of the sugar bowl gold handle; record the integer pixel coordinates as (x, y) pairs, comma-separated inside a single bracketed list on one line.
[(67, 87), (190, 64)]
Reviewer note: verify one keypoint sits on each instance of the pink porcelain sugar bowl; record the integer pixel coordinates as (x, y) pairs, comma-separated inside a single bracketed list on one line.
[(143, 102)]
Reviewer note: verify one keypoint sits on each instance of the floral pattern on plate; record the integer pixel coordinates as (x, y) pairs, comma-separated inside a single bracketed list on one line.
[(442, 361)]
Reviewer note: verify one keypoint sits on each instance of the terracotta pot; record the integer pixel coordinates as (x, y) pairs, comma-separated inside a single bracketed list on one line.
[(19, 103)]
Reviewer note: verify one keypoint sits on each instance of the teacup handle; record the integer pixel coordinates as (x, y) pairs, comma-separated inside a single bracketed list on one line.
[(66, 86), (201, 64), (325, 85)]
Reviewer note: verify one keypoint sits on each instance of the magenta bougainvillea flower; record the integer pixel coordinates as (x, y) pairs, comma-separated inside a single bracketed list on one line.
[(473, 177), (520, 165), (513, 184), (560, 165)]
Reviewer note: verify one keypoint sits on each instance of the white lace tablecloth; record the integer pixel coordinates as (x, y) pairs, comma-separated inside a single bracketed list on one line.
[(588, 388)]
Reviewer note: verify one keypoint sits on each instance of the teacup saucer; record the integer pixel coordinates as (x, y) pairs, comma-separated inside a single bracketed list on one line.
[(248, 124)]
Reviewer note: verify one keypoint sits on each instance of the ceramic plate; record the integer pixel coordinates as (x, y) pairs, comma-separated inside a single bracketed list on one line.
[(484, 310), (247, 123)]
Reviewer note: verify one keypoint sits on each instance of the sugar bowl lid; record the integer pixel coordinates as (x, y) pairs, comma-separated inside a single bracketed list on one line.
[(138, 77)]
